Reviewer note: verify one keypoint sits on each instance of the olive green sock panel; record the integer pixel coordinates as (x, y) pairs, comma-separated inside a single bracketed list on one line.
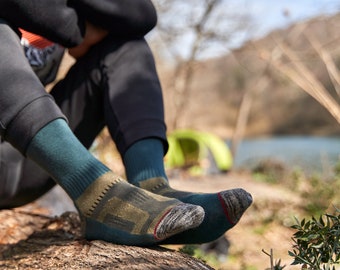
[(116, 211)]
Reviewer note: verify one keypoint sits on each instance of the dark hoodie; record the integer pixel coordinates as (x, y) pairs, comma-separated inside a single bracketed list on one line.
[(63, 21)]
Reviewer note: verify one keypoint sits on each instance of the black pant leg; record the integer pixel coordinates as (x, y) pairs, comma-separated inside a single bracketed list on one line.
[(133, 95), (115, 84), (25, 108)]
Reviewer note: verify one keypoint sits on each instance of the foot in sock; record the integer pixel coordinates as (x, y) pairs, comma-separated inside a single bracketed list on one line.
[(115, 211), (111, 209), (222, 210)]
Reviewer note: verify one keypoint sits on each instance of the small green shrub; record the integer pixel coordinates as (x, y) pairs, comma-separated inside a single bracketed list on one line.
[(317, 242)]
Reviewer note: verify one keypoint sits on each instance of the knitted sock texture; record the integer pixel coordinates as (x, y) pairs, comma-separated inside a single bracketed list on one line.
[(144, 160), (129, 215), (111, 209), (222, 210), (145, 168), (56, 149)]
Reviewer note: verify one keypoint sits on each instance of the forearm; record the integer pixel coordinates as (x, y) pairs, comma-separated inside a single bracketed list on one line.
[(127, 19), (52, 19)]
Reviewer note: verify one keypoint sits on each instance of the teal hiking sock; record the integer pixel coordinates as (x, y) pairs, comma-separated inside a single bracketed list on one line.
[(56, 149), (222, 210), (111, 209), (145, 168)]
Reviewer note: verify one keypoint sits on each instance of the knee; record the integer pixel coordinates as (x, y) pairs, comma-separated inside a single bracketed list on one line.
[(134, 53)]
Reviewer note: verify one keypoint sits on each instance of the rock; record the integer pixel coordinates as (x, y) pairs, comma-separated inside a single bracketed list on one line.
[(35, 241)]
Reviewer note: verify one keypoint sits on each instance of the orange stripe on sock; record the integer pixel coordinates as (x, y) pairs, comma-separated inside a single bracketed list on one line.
[(36, 40)]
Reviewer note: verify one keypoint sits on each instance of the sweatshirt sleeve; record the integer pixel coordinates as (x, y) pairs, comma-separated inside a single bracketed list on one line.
[(52, 19), (123, 18)]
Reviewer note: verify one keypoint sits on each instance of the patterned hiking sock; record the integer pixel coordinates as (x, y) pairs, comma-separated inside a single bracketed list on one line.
[(144, 160), (111, 209), (222, 210), (119, 212)]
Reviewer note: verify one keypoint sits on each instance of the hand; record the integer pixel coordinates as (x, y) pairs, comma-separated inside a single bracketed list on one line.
[(93, 35)]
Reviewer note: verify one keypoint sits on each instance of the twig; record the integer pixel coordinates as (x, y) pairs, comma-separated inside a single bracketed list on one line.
[(271, 258)]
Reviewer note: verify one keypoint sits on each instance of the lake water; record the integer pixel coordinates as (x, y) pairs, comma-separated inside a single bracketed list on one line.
[(312, 154)]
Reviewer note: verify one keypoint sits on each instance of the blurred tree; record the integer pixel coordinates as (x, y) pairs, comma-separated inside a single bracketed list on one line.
[(188, 31), (298, 55), (294, 65)]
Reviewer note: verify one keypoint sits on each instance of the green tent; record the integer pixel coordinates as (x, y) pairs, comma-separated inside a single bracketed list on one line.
[(198, 151)]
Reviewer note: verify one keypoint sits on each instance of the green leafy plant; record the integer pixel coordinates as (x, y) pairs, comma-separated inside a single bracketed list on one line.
[(317, 242)]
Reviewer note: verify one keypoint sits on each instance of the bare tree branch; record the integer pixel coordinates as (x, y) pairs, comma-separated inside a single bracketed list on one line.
[(203, 24), (328, 61), (304, 78)]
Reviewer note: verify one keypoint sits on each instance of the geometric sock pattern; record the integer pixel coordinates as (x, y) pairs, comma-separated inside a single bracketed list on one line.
[(129, 215)]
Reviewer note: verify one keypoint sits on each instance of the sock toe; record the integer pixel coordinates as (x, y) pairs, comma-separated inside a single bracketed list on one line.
[(235, 202), (223, 210)]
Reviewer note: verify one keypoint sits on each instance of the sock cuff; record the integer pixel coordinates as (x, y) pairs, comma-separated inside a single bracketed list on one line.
[(144, 160), (84, 176)]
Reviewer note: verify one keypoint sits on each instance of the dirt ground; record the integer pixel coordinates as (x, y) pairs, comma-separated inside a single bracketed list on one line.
[(265, 225)]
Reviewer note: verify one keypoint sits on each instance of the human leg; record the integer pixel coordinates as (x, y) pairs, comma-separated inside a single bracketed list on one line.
[(22, 181), (80, 99), (17, 86), (106, 203), (135, 117), (145, 169), (111, 209)]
